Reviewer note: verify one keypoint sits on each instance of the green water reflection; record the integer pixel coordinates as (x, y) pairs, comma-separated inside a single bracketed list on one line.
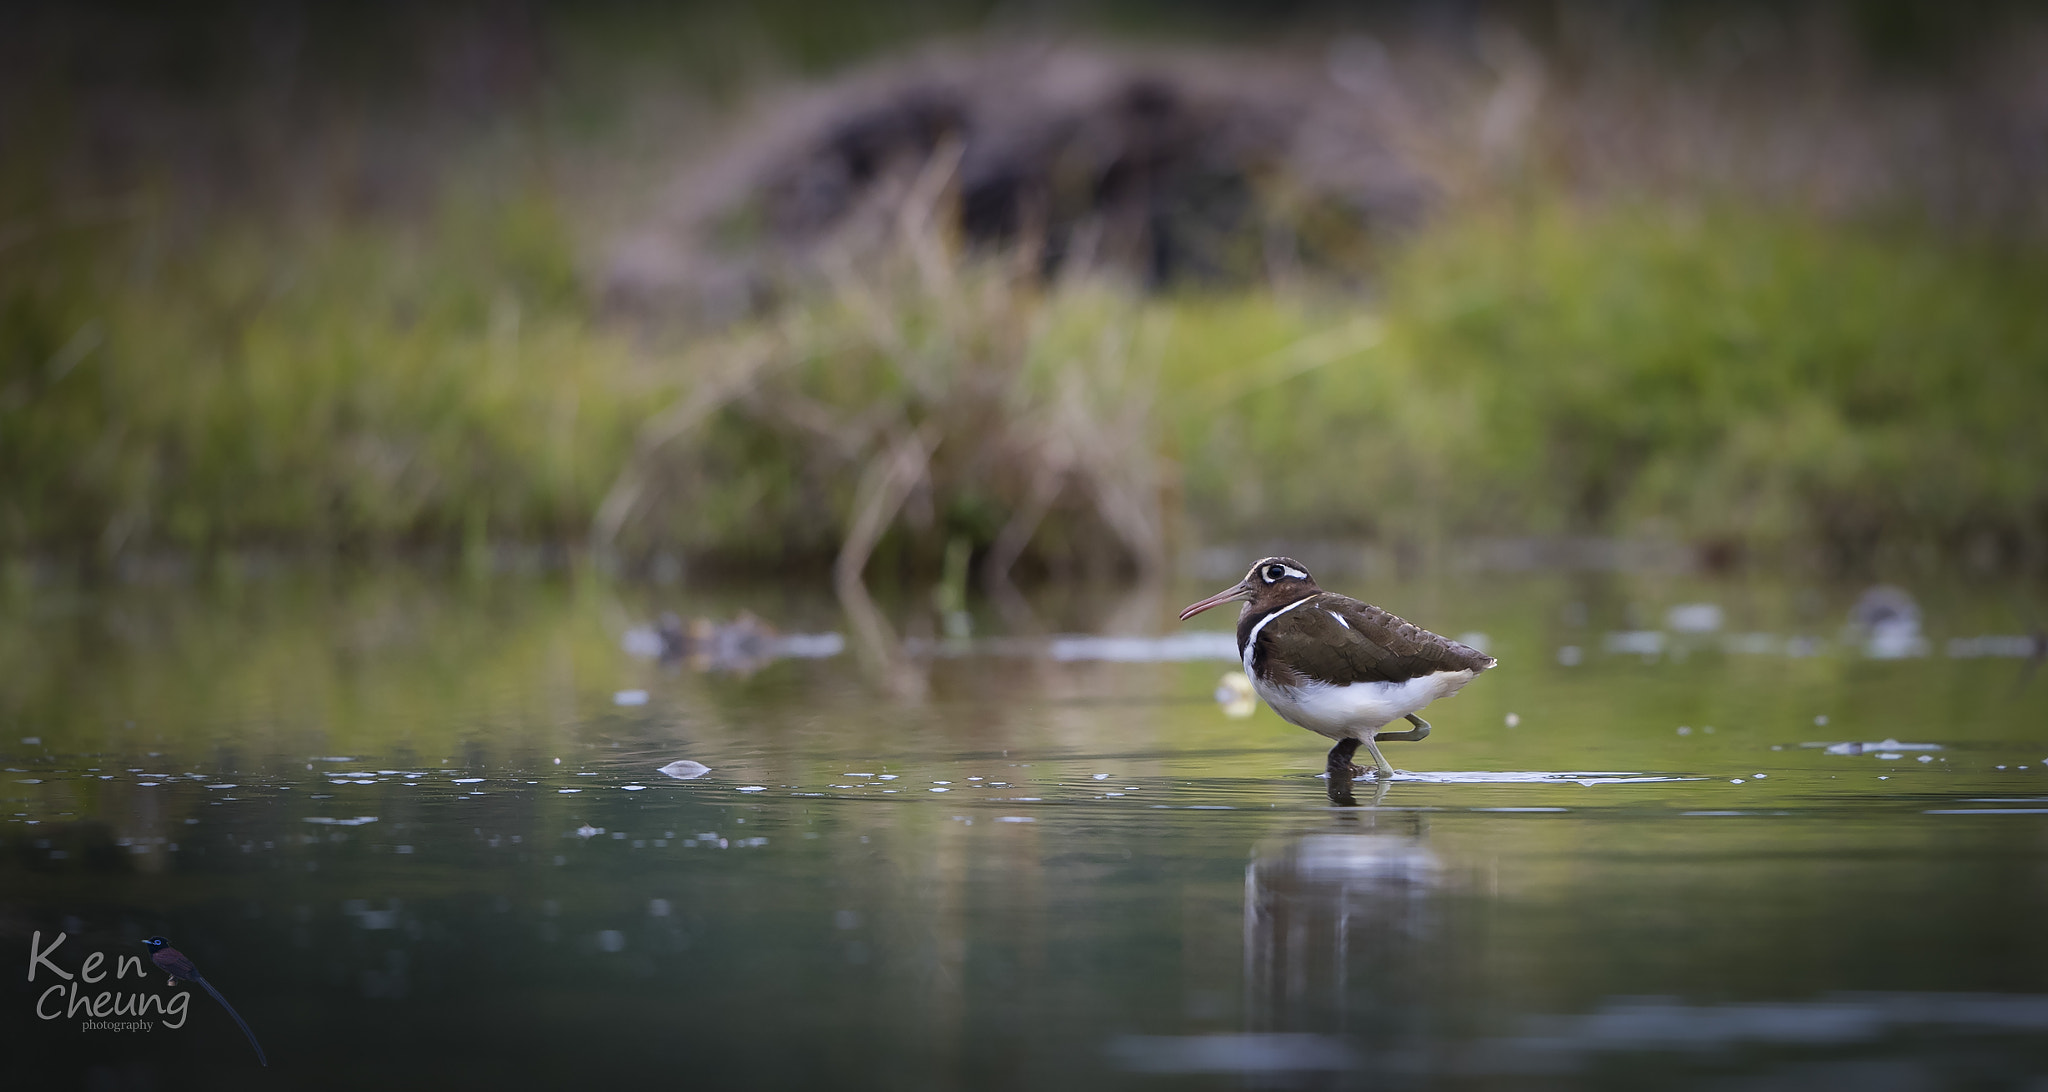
[(410, 830)]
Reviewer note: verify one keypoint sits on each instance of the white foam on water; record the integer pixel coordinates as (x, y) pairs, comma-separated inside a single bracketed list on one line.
[(683, 769)]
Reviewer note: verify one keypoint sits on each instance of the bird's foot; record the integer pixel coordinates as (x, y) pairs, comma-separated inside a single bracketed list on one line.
[(1348, 773)]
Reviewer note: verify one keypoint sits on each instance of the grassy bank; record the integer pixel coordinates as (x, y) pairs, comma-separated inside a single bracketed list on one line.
[(335, 386), (1727, 376), (1722, 375)]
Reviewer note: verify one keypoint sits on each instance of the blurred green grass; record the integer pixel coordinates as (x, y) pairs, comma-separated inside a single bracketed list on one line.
[(334, 386), (1720, 374)]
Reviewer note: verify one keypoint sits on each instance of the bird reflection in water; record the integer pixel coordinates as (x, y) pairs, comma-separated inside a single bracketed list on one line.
[(1339, 935), (1342, 946)]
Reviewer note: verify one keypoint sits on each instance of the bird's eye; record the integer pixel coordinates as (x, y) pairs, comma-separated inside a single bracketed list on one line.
[(1275, 572)]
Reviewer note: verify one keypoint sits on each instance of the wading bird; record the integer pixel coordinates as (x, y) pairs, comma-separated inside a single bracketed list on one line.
[(1336, 666), (173, 962)]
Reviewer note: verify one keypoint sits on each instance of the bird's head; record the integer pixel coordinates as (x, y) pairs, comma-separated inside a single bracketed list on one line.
[(156, 944), (1271, 582)]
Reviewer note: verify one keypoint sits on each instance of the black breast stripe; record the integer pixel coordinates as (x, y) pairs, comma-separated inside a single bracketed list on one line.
[(1249, 620)]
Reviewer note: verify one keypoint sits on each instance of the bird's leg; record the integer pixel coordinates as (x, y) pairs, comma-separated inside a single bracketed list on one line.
[(1341, 770), (1379, 761), (1420, 733)]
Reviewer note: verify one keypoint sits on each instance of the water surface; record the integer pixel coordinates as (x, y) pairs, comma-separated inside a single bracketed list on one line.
[(419, 833)]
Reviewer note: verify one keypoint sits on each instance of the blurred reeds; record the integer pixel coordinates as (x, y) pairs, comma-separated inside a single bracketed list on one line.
[(1799, 353)]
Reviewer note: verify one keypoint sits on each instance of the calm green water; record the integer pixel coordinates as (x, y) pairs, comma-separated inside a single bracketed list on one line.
[(411, 831)]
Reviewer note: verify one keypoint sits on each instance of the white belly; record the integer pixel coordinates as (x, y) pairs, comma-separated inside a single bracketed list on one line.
[(1352, 710)]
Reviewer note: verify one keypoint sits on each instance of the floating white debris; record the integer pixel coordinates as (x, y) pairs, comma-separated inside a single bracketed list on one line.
[(1694, 617), (857, 775), (1192, 645), (1015, 819), (465, 780), (1851, 747), (630, 697), (230, 786), (1514, 720), (2017, 646), (938, 790), (1643, 642), (1925, 758), (809, 646), (1891, 756), (643, 642), (1895, 644), (1101, 777), (566, 792), (886, 777), (1234, 693), (752, 788), (587, 832), (327, 822), (683, 769)]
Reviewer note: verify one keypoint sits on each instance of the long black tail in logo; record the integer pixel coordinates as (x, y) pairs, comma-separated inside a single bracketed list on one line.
[(174, 963)]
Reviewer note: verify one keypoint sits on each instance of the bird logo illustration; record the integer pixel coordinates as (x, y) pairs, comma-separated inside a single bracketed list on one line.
[(174, 963)]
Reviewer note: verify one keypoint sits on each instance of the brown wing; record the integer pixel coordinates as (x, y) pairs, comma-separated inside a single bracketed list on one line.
[(1367, 645)]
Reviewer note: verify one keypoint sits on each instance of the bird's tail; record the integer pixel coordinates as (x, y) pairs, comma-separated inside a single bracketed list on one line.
[(239, 1022)]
